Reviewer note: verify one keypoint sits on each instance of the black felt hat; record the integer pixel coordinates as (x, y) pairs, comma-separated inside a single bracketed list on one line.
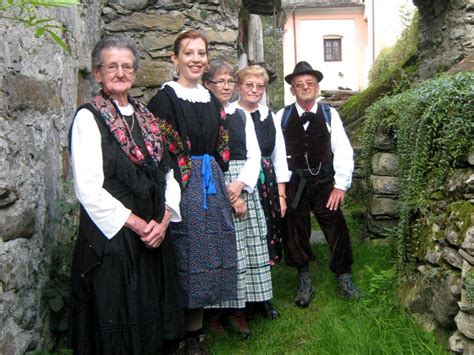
[(303, 68)]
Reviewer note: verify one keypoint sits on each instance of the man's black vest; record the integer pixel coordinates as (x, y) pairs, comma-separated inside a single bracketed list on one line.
[(310, 149)]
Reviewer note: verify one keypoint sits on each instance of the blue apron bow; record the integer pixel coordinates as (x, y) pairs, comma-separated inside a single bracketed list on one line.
[(208, 186)]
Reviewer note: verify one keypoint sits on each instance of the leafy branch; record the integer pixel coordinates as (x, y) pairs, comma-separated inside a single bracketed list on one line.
[(26, 13)]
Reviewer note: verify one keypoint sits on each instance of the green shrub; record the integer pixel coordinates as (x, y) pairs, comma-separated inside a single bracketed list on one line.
[(432, 125)]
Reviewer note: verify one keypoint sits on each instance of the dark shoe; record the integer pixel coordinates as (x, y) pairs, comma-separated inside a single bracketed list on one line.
[(195, 346), (250, 310), (305, 293), (173, 347), (346, 288), (215, 323), (238, 324), (268, 310)]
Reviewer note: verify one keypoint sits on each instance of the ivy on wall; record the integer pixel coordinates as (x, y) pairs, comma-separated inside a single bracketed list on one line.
[(432, 126)]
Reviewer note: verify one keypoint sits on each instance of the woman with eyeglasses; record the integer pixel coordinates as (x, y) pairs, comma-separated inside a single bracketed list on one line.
[(251, 83), (125, 295), (194, 124), (253, 271)]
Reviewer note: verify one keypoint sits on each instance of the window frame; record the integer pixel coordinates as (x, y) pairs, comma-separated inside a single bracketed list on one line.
[(332, 53)]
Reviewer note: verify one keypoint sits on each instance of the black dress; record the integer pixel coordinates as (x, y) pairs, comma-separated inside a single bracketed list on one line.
[(126, 297), (205, 239)]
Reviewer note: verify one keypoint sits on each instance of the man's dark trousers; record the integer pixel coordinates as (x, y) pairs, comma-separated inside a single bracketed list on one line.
[(297, 224)]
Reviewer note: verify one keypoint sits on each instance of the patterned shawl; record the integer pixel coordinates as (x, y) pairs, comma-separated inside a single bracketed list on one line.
[(120, 129)]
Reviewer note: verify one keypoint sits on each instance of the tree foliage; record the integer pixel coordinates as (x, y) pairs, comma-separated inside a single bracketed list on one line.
[(26, 13)]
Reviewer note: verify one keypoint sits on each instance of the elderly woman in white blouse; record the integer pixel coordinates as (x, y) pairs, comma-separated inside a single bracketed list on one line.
[(126, 297), (274, 173)]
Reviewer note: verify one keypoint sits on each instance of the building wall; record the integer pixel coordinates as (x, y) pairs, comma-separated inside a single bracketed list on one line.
[(385, 22), (303, 40), (365, 31)]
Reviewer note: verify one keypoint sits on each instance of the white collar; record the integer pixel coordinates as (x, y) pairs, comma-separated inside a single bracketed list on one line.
[(301, 110), (125, 110), (230, 109), (197, 94), (262, 108)]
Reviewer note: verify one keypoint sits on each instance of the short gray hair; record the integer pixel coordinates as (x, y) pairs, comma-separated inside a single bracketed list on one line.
[(114, 41), (218, 66)]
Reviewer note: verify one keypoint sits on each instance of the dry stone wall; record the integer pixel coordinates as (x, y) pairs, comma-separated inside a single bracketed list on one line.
[(39, 90), (440, 290), (446, 34), (382, 213), (41, 87), (155, 27)]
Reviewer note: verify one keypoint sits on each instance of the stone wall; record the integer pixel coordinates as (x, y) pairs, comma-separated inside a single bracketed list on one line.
[(382, 214), (436, 291), (446, 34), (40, 89), (154, 28), (440, 290)]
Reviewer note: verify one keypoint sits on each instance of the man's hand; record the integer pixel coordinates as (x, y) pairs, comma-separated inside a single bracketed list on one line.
[(335, 199)]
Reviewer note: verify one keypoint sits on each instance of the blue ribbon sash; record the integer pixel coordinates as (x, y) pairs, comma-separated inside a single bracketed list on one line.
[(208, 186)]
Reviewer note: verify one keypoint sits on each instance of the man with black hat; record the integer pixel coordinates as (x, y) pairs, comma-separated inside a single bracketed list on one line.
[(320, 157)]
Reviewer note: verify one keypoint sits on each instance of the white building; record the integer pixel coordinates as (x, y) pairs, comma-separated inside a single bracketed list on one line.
[(340, 38)]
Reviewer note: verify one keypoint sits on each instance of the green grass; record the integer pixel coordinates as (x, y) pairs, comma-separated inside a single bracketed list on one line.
[(373, 325), (331, 326)]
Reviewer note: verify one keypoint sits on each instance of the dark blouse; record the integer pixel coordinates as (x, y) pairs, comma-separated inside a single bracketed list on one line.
[(200, 126), (266, 132), (237, 137), (199, 121)]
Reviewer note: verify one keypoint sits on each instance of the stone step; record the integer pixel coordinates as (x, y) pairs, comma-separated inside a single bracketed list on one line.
[(317, 237)]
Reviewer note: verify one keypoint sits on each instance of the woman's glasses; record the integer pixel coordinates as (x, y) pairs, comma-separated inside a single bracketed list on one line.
[(250, 86), (113, 67)]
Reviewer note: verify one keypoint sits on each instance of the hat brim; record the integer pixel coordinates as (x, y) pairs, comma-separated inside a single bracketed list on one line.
[(315, 73)]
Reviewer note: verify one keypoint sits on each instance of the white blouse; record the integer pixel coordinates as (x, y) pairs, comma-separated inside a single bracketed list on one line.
[(343, 161), (108, 213), (251, 169), (280, 164)]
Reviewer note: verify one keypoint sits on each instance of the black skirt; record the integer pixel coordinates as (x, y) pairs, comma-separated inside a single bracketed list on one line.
[(130, 302)]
